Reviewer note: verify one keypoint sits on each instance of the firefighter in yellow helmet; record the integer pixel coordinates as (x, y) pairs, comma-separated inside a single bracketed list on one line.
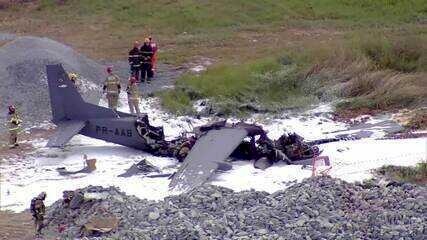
[(74, 78), (14, 123), (133, 96), (112, 88)]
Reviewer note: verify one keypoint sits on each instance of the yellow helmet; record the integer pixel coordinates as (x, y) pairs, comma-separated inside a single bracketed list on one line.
[(72, 75)]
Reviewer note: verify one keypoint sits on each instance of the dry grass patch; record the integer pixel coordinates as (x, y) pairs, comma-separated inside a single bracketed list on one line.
[(416, 174)]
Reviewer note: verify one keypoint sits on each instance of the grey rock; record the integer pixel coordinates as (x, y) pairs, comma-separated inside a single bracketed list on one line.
[(317, 208), (23, 75)]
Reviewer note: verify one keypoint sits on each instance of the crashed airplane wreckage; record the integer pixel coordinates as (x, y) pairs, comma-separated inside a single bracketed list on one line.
[(202, 153)]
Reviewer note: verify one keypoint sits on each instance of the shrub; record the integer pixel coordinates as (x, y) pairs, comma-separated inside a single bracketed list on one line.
[(404, 54), (417, 174)]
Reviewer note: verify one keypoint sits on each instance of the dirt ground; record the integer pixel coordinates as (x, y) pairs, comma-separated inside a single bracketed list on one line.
[(19, 226), (16, 226), (24, 147)]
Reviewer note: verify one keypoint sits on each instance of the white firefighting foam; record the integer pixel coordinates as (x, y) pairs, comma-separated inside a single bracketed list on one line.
[(21, 179)]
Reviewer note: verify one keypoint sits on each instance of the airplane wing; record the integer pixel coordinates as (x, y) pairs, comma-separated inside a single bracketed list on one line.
[(210, 150), (64, 132)]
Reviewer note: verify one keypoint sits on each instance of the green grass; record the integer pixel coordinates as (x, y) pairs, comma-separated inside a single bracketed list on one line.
[(369, 72), (176, 101), (372, 53), (194, 16), (417, 174), (269, 84), (187, 28)]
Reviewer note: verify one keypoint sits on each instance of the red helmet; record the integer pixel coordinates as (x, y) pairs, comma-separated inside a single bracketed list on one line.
[(109, 69), (132, 79), (12, 109)]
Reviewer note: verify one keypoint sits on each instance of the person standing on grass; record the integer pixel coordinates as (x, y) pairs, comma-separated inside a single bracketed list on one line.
[(147, 65)]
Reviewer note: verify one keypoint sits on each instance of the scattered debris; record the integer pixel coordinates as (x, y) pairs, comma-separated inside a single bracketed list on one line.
[(90, 166), (142, 167), (203, 152)]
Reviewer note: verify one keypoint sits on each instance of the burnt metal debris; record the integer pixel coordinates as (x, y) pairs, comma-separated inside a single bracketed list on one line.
[(143, 167), (206, 150)]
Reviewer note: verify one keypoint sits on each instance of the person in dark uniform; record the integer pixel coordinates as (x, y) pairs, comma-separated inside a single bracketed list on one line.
[(38, 210), (146, 52), (135, 60)]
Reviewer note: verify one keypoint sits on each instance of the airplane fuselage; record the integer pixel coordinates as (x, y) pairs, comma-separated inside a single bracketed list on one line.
[(116, 130)]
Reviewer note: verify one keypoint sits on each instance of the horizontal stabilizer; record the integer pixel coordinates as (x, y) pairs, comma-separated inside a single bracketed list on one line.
[(205, 157), (64, 132)]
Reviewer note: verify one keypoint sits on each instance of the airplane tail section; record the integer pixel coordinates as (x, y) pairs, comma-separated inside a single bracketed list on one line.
[(69, 111), (66, 101), (64, 98)]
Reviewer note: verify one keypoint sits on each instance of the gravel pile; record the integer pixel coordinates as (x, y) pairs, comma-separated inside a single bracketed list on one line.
[(23, 75), (317, 208)]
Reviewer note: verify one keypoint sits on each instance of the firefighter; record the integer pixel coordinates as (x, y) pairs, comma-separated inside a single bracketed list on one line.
[(14, 123), (38, 210), (112, 88), (153, 45), (147, 66), (67, 197), (73, 78), (133, 96), (135, 60)]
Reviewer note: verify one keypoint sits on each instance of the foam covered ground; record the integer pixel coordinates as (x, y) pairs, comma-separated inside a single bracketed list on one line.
[(22, 179)]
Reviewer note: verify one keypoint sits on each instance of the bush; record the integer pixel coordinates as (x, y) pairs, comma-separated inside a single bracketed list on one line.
[(404, 54), (417, 174)]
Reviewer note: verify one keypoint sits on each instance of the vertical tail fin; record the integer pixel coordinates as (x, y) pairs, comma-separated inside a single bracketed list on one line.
[(67, 103), (63, 94)]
